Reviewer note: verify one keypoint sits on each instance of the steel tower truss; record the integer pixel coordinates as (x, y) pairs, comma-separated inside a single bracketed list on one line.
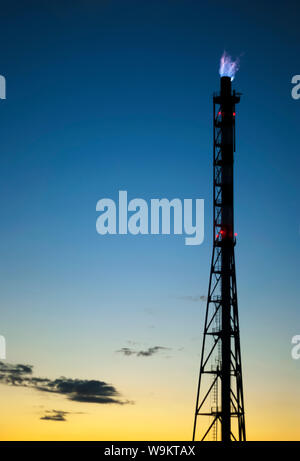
[(220, 401)]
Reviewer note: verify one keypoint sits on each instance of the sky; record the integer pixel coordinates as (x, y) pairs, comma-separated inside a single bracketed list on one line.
[(110, 95)]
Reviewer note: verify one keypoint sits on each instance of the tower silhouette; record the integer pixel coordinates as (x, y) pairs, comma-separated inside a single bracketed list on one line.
[(220, 401)]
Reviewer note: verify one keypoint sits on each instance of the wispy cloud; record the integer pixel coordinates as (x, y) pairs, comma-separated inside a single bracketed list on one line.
[(151, 351), (78, 390), (54, 415), (17, 370), (58, 415), (127, 351), (193, 299), (142, 353)]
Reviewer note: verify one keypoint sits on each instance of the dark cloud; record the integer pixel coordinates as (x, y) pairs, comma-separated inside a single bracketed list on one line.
[(193, 299), (18, 369), (92, 391), (151, 351), (58, 415), (78, 390), (143, 353), (54, 415), (127, 351)]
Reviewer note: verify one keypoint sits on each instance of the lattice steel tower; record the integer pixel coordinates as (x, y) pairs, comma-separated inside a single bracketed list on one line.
[(220, 401)]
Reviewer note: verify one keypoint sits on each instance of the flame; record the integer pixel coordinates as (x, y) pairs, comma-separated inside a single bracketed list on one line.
[(228, 67)]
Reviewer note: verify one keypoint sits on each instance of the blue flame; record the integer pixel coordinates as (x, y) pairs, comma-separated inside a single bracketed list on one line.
[(228, 67)]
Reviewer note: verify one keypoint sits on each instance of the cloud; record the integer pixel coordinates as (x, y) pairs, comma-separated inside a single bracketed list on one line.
[(58, 415), (54, 415), (15, 369), (77, 390), (193, 299), (151, 351), (142, 353), (127, 351)]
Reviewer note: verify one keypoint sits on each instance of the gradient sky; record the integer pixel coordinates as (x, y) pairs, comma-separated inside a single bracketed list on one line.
[(111, 95)]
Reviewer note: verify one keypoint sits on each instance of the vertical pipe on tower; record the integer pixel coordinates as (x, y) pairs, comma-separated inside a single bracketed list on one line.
[(226, 246)]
